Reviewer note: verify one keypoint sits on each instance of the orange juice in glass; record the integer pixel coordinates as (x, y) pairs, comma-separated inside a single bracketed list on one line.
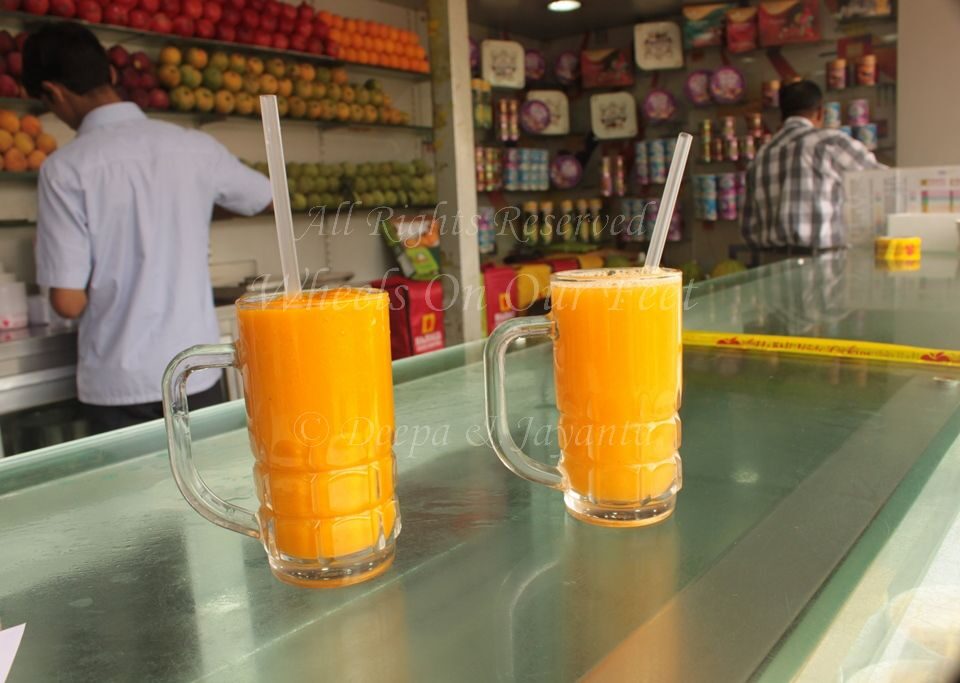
[(319, 398), (617, 369)]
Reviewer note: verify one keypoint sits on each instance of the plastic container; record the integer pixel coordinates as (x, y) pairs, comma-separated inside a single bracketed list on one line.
[(13, 305)]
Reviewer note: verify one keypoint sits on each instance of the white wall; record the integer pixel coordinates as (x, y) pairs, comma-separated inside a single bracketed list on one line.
[(358, 251), (928, 100)]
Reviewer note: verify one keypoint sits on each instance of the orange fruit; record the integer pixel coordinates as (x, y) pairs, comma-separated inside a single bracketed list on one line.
[(23, 142), (363, 57), (35, 159), (9, 121), (363, 27), (419, 52), (334, 35), (46, 143), (349, 54), (31, 125), (336, 21), (6, 140), (375, 59), (325, 16), (14, 160), (404, 63), (367, 43), (392, 33), (350, 26)]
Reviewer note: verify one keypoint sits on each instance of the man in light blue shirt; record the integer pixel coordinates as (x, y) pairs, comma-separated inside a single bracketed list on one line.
[(123, 229)]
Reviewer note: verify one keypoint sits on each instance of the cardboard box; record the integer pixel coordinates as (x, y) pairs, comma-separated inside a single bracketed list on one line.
[(416, 315)]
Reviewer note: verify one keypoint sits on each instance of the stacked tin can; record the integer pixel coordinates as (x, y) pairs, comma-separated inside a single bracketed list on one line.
[(832, 115), (727, 196), (482, 105), (508, 119), (741, 191), (486, 230), (706, 141), (641, 169), (526, 169), (705, 196), (657, 161), (489, 162), (633, 216)]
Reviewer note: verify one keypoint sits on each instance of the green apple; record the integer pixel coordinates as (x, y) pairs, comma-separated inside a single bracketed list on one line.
[(298, 202)]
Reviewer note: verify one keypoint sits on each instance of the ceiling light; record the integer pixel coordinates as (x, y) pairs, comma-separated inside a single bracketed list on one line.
[(563, 5)]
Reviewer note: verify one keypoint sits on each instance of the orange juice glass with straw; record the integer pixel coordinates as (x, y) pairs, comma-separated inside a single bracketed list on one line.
[(617, 355), (319, 400)]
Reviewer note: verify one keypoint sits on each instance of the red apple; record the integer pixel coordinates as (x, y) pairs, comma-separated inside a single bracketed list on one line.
[(268, 23), (141, 62), (315, 46), (287, 10), (262, 38), (305, 12), (3, 66), (272, 8), (237, 4), (250, 18), (231, 16), (304, 29), (244, 34), (256, 4), (161, 23), (171, 8), (151, 7), (63, 8), (192, 8), (298, 43), (205, 28), (212, 11), (115, 14), (183, 26), (227, 33), (130, 78), (89, 10), (285, 25), (15, 64), (140, 97), (332, 49), (6, 43), (36, 6), (320, 29), (119, 56), (129, 4), (139, 19), (10, 5), (159, 99), (280, 42), (20, 40), (8, 86), (148, 81)]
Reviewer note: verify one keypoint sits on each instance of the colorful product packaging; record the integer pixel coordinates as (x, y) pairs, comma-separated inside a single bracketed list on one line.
[(486, 231), (499, 295), (741, 30), (416, 315), (858, 112), (789, 21), (867, 134), (415, 242), (703, 25), (832, 115), (641, 168), (606, 68)]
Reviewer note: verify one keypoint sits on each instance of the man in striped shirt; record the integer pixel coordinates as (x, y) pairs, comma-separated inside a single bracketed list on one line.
[(794, 193)]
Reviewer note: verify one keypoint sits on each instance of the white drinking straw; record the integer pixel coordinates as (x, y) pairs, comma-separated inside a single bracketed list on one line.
[(669, 200), (281, 197)]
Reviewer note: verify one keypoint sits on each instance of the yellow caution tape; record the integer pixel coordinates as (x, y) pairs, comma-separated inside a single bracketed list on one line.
[(835, 348)]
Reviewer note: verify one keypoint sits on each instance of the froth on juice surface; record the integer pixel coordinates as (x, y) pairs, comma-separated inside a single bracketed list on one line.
[(617, 365), (319, 400)]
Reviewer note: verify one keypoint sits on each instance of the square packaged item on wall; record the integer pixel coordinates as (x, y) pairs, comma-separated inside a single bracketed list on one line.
[(606, 68), (703, 25), (789, 21), (559, 106), (416, 315), (503, 63), (658, 45), (742, 29), (499, 296), (613, 115), (860, 9), (415, 242)]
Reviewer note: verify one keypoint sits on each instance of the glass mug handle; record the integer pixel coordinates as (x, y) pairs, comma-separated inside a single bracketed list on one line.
[(177, 418), (495, 398)]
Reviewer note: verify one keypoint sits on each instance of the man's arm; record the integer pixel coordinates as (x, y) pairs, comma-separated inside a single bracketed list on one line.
[(68, 303), (240, 190), (852, 155), (220, 213)]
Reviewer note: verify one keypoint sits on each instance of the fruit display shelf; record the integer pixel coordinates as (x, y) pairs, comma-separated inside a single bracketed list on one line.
[(120, 34), (19, 176), (213, 117)]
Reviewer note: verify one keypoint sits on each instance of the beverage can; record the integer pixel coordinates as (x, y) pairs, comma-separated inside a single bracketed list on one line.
[(749, 148), (867, 70), (832, 115), (709, 209), (727, 205), (729, 127), (726, 181), (733, 149), (858, 112), (867, 135), (718, 148), (837, 74), (641, 167)]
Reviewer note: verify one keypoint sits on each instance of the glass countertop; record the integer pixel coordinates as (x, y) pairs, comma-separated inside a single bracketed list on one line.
[(790, 464)]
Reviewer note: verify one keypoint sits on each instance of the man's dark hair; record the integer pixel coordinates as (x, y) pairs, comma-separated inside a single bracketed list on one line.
[(802, 97), (64, 53)]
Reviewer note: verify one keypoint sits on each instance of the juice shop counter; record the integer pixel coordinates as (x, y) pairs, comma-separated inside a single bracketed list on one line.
[(818, 501)]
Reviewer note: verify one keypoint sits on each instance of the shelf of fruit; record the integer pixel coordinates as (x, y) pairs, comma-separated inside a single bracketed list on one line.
[(398, 184), (23, 146), (268, 27)]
